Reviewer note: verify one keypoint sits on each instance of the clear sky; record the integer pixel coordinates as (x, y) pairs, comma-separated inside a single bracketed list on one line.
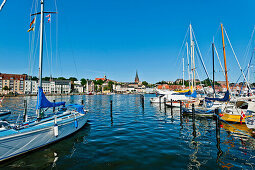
[(118, 37)]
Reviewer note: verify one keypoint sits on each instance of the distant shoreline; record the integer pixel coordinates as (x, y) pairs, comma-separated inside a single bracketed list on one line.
[(71, 94)]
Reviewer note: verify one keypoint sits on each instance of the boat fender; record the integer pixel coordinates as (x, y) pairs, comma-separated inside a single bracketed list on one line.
[(221, 126), (55, 130), (220, 115), (76, 123)]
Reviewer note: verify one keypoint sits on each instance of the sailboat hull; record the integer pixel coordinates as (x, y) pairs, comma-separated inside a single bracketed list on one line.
[(25, 141)]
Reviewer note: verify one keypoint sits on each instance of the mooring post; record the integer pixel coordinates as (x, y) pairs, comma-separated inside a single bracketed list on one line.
[(111, 107), (165, 104), (180, 108), (82, 102), (193, 113), (160, 102), (142, 101), (171, 106), (217, 123), (25, 111), (54, 101)]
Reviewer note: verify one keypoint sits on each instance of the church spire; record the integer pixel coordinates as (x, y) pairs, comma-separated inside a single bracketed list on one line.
[(136, 78)]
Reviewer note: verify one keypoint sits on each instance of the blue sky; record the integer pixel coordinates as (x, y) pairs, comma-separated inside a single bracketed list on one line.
[(118, 37)]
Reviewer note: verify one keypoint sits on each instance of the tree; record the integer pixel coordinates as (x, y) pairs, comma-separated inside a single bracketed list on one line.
[(6, 88), (46, 78), (162, 82), (110, 85), (73, 79), (61, 78), (83, 81), (145, 83), (34, 78), (100, 82)]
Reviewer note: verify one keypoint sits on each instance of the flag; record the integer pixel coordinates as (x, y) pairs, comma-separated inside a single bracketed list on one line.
[(48, 16), (32, 22), (31, 29), (242, 117)]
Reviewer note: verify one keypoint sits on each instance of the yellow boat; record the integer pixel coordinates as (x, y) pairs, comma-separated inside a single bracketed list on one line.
[(233, 118)]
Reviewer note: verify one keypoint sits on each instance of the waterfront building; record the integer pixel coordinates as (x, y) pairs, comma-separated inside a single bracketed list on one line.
[(12, 83), (49, 87), (78, 88), (90, 87)]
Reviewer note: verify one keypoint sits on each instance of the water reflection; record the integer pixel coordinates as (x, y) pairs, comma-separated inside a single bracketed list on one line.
[(136, 138)]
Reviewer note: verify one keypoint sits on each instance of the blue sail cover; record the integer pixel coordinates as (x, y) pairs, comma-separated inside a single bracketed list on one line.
[(194, 94), (43, 102), (225, 98), (77, 107)]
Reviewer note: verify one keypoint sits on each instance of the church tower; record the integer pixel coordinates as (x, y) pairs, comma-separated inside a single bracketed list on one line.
[(136, 78)]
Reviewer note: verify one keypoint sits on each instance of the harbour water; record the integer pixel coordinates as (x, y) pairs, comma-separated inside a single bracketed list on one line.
[(137, 138)]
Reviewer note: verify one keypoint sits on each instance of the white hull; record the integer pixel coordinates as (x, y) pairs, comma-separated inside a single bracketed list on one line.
[(26, 140)]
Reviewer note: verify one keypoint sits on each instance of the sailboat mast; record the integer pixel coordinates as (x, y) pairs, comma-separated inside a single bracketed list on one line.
[(213, 69), (225, 61), (187, 46), (191, 56), (183, 73), (41, 44)]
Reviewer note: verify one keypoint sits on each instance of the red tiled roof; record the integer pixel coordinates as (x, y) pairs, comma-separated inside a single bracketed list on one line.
[(100, 79), (12, 76)]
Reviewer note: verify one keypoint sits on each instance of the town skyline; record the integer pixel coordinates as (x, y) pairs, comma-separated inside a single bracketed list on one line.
[(115, 39)]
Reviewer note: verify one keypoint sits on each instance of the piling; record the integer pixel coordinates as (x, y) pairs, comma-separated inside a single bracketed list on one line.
[(165, 104), (193, 113), (82, 102), (54, 101), (25, 111), (142, 101), (217, 123), (172, 106), (160, 102), (111, 107), (219, 153), (180, 108)]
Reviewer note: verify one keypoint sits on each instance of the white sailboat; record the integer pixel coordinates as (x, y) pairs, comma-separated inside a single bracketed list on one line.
[(16, 139)]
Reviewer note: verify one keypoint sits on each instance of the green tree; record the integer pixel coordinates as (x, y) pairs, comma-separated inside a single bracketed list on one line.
[(61, 78), (100, 82), (83, 81), (110, 86), (73, 79), (46, 78), (6, 88), (34, 78), (145, 83)]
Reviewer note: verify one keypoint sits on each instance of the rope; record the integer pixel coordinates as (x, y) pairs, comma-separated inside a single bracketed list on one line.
[(219, 60), (182, 46), (200, 57), (236, 57)]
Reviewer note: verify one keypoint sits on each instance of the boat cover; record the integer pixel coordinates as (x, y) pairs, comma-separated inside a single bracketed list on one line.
[(43, 102), (225, 98), (194, 94), (78, 107)]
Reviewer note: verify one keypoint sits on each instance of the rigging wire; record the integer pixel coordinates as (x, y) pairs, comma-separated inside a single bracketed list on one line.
[(200, 56), (236, 57)]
